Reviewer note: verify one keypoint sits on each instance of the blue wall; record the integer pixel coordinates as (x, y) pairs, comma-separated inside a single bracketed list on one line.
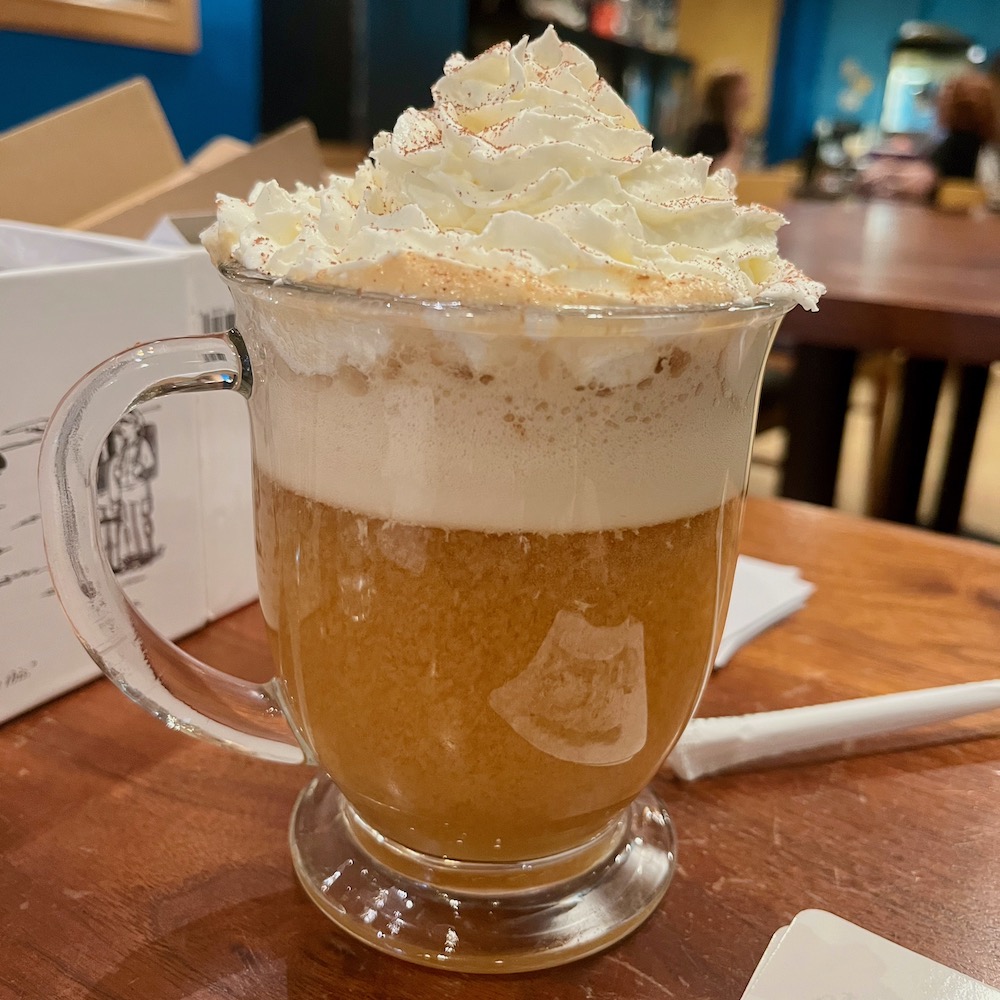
[(978, 18), (818, 35), (214, 91), (804, 25), (865, 32)]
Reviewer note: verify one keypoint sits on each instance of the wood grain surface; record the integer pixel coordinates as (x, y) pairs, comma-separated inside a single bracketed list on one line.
[(898, 276), (138, 863)]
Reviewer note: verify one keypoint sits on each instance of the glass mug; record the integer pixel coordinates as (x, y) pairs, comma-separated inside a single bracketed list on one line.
[(495, 547)]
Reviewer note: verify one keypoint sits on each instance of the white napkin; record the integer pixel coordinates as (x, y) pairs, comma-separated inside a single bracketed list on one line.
[(820, 955), (763, 594)]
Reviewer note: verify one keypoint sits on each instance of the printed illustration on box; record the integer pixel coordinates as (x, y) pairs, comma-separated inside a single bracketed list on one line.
[(125, 471), (13, 519), (128, 465)]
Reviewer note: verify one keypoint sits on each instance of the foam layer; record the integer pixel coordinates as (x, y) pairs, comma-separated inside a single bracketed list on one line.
[(529, 180), (518, 431)]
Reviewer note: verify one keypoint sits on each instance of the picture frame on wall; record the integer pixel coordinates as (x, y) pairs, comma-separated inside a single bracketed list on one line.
[(165, 25)]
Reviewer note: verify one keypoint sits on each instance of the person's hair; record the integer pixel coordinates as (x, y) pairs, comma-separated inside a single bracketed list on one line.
[(993, 66), (717, 94), (965, 104)]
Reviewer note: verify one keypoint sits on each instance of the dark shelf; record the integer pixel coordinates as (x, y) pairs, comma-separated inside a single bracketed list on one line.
[(613, 47)]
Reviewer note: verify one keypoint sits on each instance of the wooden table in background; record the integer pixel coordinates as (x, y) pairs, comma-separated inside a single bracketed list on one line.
[(897, 276), (138, 863), (343, 157)]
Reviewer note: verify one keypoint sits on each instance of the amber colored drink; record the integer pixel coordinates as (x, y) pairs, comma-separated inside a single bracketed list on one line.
[(489, 696)]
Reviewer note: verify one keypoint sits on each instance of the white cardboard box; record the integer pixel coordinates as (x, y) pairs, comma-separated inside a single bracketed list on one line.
[(69, 300), (224, 447)]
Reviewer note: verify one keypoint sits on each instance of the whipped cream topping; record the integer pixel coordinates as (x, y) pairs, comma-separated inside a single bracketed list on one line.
[(529, 179)]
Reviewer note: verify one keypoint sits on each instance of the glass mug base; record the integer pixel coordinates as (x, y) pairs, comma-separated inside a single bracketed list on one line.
[(481, 917)]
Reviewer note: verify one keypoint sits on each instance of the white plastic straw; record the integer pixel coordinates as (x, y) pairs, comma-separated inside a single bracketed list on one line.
[(712, 745)]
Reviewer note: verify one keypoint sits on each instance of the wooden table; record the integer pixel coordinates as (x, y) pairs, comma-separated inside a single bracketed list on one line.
[(898, 276), (138, 863)]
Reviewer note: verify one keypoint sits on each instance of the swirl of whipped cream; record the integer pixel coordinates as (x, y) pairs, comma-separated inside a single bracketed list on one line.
[(529, 179)]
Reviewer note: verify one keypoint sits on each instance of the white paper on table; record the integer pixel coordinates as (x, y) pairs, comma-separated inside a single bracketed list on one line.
[(819, 956), (763, 594)]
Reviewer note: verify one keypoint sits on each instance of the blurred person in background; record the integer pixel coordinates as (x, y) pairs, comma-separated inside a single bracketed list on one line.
[(720, 134), (993, 74), (988, 167), (967, 113), (968, 120)]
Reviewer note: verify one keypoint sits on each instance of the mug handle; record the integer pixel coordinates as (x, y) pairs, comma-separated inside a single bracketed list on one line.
[(179, 690)]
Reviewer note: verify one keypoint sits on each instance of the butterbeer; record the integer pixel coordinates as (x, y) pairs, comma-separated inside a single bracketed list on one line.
[(494, 584), (502, 384)]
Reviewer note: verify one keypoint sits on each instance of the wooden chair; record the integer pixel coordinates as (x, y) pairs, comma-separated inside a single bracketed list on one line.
[(959, 195), (767, 187)]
